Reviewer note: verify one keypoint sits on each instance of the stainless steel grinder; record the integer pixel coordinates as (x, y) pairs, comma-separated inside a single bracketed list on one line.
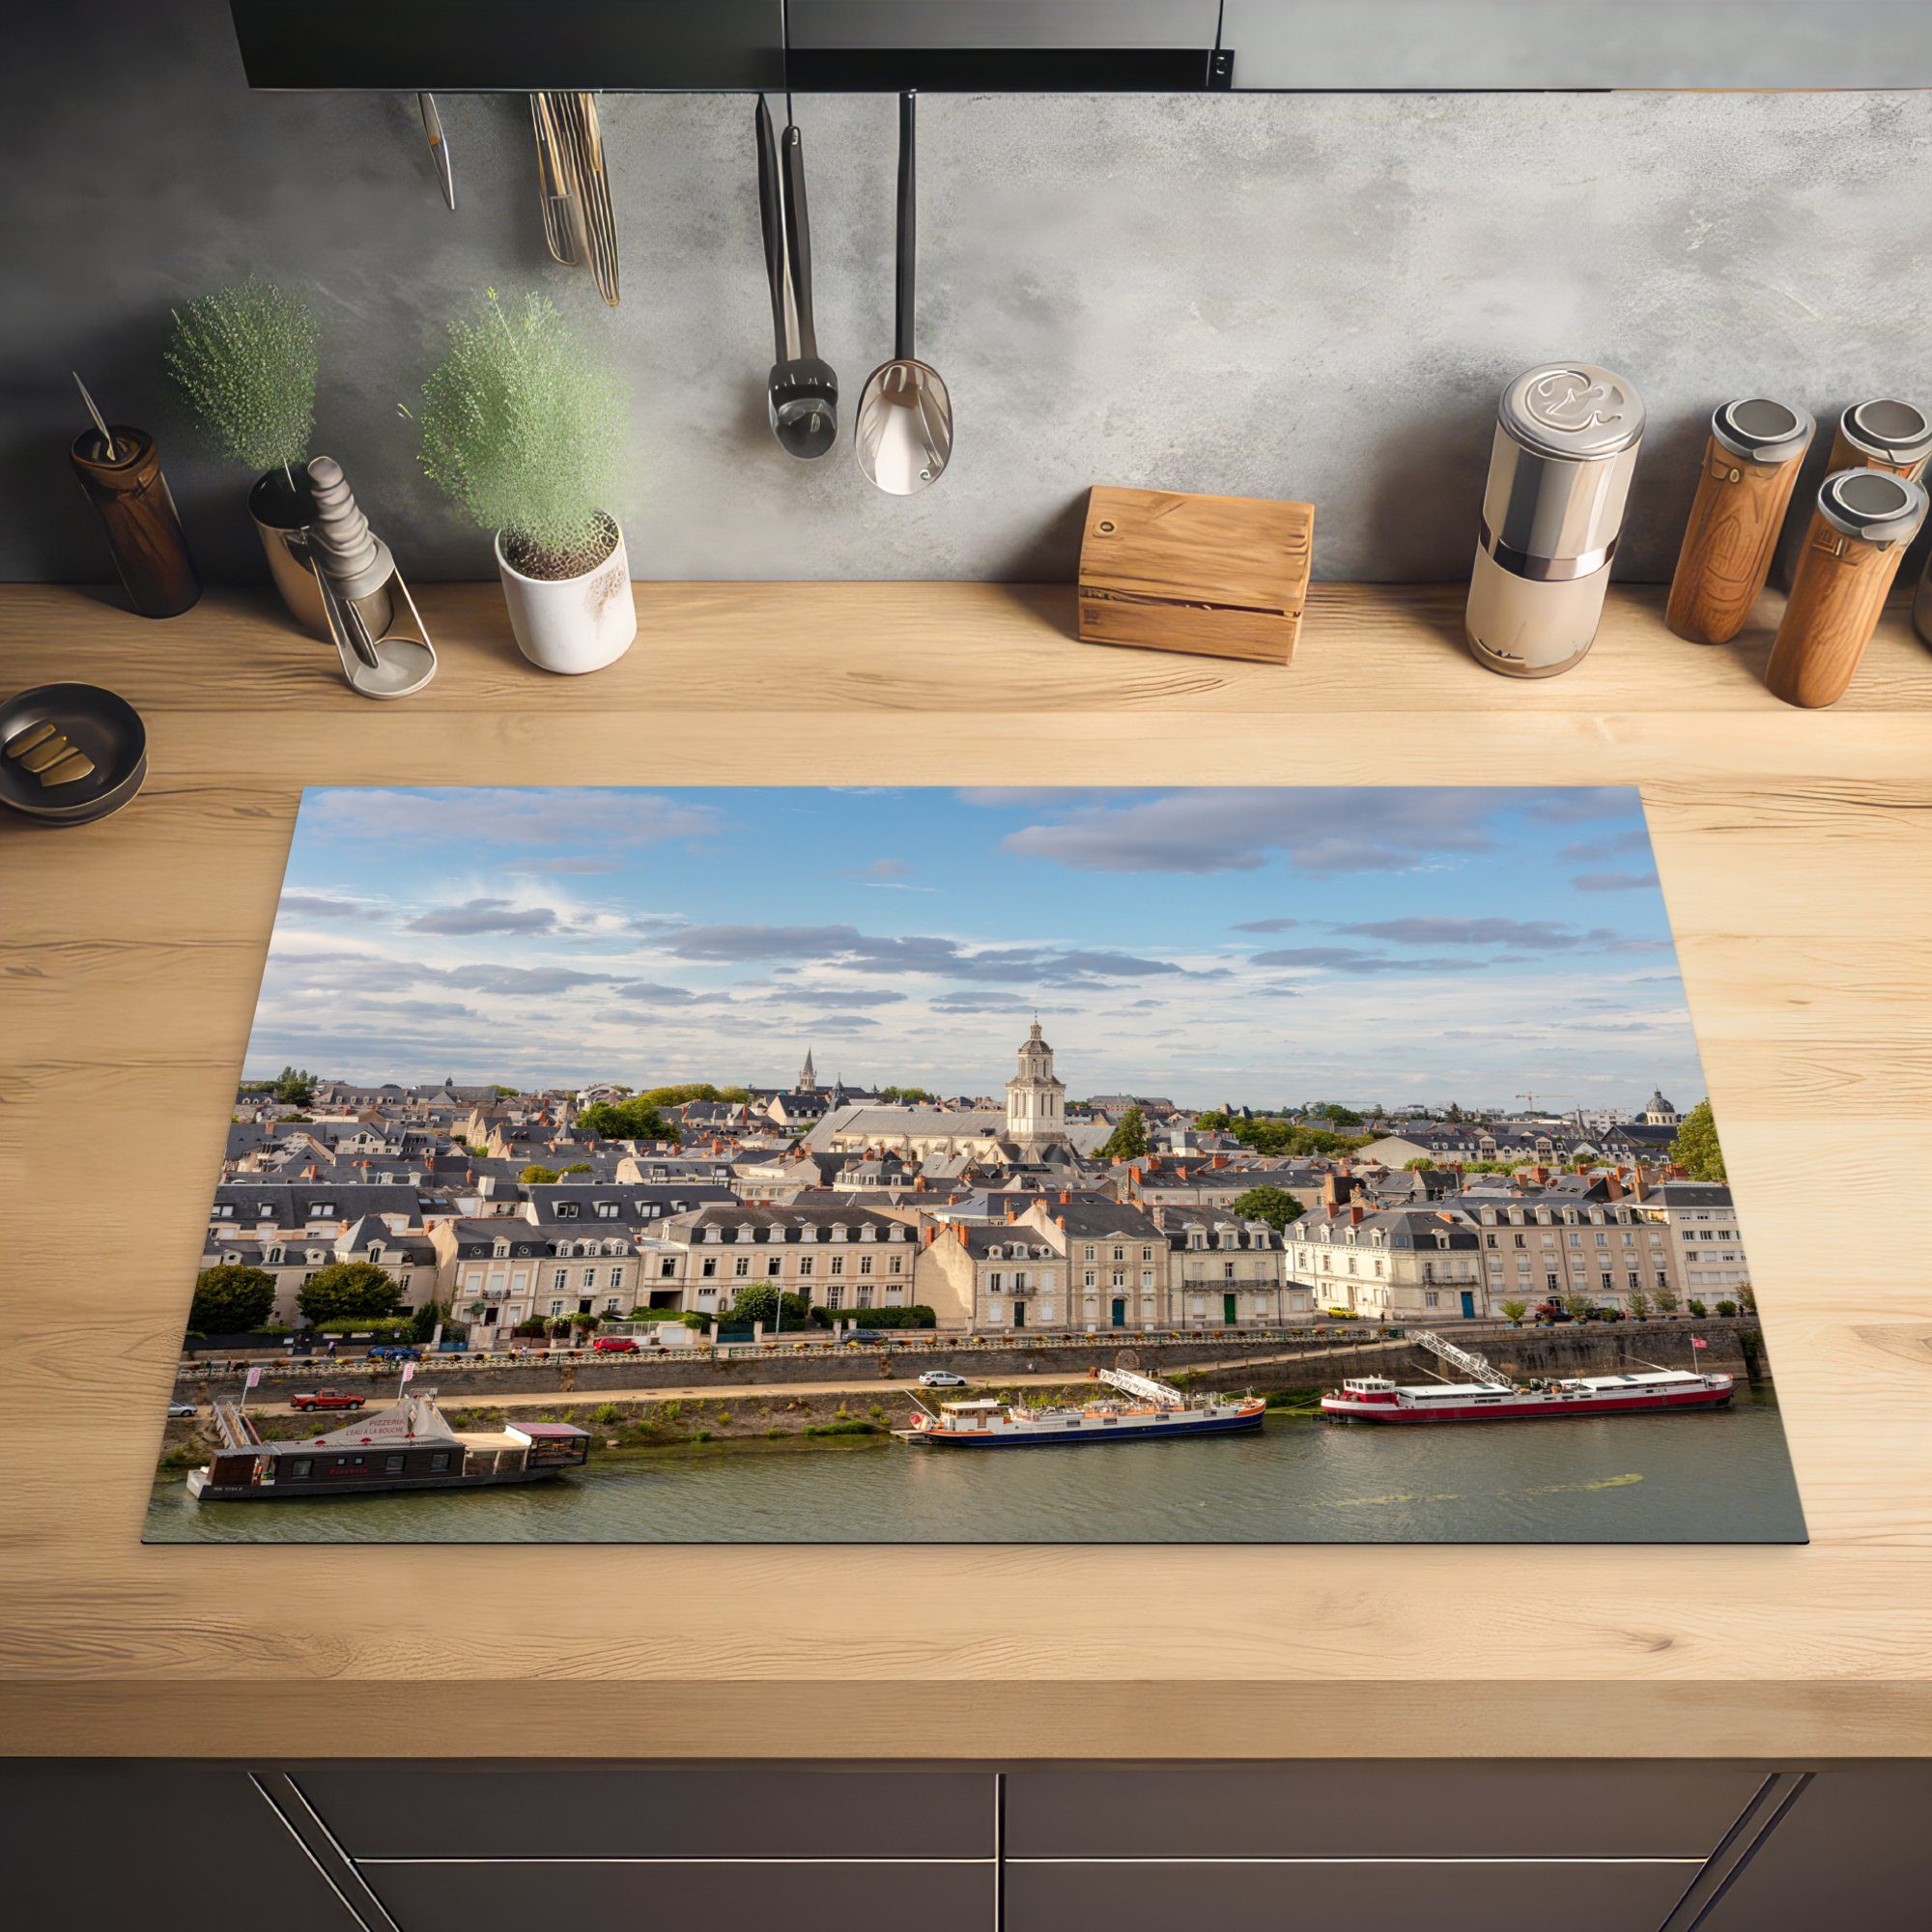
[(1566, 439)]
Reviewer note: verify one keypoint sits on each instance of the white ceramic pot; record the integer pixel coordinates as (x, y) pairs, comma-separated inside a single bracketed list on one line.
[(572, 624)]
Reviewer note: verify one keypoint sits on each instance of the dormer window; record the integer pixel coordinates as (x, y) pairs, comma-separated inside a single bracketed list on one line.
[(606, 1211), (868, 1232), (376, 1251), (272, 1257), (500, 1249), (808, 1230), (566, 1210), (714, 1233), (838, 1231), (321, 1210), (996, 1252)]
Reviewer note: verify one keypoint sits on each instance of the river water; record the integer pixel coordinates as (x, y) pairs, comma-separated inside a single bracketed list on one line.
[(1711, 1478)]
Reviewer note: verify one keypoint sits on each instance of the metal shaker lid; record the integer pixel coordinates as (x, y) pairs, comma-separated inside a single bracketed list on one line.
[(1572, 410), (1873, 504), (1888, 431), (1762, 431)]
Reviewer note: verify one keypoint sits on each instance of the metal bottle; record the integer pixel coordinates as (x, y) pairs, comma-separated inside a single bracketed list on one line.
[(1566, 442)]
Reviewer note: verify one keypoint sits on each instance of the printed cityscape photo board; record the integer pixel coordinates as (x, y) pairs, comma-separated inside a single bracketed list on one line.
[(1271, 1165)]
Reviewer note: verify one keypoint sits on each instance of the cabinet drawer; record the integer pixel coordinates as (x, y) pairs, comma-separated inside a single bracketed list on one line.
[(450, 1811), (1853, 1851), (1367, 1810), (164, 1847), (1522, 1898), (828, 1897)]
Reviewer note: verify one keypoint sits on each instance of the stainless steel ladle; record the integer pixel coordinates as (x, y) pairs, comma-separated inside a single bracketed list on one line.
[(902, 435)]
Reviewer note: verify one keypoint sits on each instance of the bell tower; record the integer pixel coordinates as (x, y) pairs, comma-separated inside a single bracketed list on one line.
[(808, 1080), (1036, 1101)]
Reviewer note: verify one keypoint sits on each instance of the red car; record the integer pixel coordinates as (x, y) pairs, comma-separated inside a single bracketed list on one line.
[(615, 1344), (327, 1399)]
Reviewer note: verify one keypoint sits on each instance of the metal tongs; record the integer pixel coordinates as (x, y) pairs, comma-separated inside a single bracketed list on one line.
[(579, 220)]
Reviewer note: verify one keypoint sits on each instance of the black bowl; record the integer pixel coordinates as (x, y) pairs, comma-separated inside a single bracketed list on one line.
[(106, 727)]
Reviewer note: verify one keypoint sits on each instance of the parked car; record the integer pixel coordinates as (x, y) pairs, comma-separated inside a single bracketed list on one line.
[(326, 1399), (941, 1379), (178, 1410), (615, 1344), (863, 1336), (392, 1351)]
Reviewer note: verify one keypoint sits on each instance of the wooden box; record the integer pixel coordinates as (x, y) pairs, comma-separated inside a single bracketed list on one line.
[(1226, 577)]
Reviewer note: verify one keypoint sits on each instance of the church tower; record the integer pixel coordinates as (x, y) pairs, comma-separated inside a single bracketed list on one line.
[(808, 1080), (1036, 1101)]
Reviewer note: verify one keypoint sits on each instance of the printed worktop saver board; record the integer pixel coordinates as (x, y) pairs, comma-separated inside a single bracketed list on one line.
[(919, 1165)]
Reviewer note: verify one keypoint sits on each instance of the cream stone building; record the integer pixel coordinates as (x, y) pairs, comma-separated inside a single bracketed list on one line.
[(1395, 1264)]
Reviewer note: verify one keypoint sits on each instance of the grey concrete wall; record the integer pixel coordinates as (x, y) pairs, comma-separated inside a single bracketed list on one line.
[(1271, 295)]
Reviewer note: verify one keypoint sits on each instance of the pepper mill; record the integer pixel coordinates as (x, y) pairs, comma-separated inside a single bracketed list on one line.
[(1859, 530), (1750, 467), (1884, 434), (121, 475), (1566, 442)]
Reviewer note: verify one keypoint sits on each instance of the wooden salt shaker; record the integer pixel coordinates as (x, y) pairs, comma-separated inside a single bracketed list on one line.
[(1859, 530), (1750, 466), (131, 496)]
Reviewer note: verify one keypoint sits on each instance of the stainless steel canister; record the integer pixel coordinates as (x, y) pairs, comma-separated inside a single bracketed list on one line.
[(1566, 439)]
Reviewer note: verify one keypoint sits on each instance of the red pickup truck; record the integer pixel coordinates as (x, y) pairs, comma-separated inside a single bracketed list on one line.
[(327, 1399)]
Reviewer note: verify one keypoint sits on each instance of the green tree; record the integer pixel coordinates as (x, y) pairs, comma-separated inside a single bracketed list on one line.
[(295, 1086), (1342, 1117), (422, 1325), (1638, 1303), (536, 1173), (1576, 1306), (909, 1097), (1514, 1312), (1667, 1301), (634, 1119), (1275, 1205), (1129, 1139), (758, 1301), (350, 1292), (503, 1093), (1695, 1149), (231, 1299), (575, 1167)]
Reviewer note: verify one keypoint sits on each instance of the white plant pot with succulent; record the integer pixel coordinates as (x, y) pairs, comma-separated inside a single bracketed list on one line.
[(524, 430)]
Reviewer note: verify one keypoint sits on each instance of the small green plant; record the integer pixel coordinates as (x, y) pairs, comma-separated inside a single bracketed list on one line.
[(605, 1414), (1698, 1310), (245, 360), (524, 429)]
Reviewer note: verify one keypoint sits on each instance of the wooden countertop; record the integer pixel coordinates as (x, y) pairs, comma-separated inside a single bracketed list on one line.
[(1796, 854)]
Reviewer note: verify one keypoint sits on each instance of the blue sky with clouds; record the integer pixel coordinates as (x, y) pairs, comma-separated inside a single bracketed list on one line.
[(1266, 944)]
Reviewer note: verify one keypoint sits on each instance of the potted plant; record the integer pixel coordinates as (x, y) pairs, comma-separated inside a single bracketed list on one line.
[(524, 430), (244, 358)]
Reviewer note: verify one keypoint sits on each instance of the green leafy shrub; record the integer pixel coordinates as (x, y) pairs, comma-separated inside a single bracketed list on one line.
[(245, 360), (524, 430)]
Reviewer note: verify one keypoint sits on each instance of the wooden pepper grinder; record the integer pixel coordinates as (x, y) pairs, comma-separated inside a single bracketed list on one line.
[(120, 470), (1884, 434), (1863, 522), (1750, 467)]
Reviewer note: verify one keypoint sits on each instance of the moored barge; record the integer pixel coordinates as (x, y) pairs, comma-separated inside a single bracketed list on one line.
[(1143, 1411), (410, 1446), (1495, 1397)]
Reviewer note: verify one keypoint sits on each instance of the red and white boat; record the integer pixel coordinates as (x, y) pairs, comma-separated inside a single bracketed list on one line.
[(1494, 1397)]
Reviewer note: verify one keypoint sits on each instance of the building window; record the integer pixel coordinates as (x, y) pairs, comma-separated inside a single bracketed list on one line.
[(1552, 1282), (556, 1279), (805, 1263), (1431, 1298), (710, 1266), (668, 1268), (838, 1264), (834, 1297), (742, 1265), (864, 1263)]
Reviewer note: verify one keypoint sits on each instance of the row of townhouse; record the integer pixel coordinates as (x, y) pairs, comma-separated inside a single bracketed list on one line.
[(1466, 1256)]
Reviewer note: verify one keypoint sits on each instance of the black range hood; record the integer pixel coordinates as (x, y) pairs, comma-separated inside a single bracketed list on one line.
[(823, 46)]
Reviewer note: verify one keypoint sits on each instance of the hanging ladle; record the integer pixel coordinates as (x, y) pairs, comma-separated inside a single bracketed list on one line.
[(904, 432)]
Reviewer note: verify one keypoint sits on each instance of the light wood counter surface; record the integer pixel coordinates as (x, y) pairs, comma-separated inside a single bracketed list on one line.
[(1795, 856)]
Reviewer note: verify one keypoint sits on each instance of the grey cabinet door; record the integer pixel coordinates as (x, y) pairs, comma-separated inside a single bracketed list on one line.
[(400, 1810), (155, 1846), (1366, 1809), (1854, 1851), (1578, 43)]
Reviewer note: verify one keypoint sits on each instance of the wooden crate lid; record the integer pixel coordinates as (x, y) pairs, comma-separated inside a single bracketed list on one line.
[(1249, 552)]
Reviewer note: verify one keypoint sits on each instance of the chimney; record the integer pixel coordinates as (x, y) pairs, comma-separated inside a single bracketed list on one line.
[(1336, 1188), (1060, 1222), (1219, 1161), (959, 1229), (1613, 1187), (1065, 1196), (1012, 1212), (1640, 1186), (1355, 1213), (1541, 1175)]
